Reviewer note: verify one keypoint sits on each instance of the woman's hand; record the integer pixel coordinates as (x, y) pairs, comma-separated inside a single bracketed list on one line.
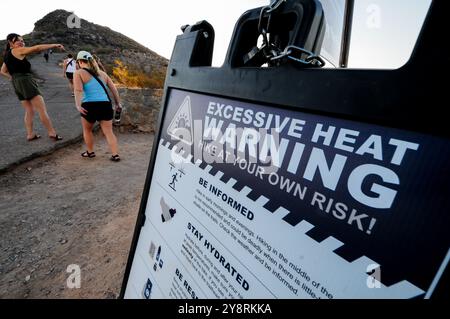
[(118, 107), (82, 110), (59, 46)]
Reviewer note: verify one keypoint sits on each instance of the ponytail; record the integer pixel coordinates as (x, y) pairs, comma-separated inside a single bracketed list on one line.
[(94, 66)]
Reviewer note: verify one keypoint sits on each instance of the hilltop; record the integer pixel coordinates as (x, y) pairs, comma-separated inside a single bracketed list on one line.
[(130, 63)]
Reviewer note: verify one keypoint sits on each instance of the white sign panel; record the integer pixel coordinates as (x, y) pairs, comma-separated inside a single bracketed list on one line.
[(334, 213)]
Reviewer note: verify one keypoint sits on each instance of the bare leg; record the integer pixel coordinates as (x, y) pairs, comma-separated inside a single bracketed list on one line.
[(87, 134), (71, 85), (29, 115), (39, 106), (107, 130)]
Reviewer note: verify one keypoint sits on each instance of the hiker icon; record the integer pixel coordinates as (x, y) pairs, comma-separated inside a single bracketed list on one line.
[(174, 179)]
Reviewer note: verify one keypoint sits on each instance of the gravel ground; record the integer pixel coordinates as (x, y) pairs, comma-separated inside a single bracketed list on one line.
[(61, 210)]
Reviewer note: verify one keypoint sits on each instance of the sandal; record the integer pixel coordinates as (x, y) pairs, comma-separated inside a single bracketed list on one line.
[(115, 158), (88, 154), (35, 137), (56, 137)]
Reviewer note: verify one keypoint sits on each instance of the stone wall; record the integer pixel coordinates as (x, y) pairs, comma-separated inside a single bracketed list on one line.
[(141, 108)]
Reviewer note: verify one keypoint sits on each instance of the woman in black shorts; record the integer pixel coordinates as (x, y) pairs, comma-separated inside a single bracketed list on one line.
[(17, 68), (93, 102)]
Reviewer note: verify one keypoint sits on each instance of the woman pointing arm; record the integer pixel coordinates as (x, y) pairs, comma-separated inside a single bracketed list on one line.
[(25, 87)]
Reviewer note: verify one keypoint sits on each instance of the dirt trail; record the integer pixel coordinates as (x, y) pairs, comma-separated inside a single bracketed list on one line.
[(62, 209)]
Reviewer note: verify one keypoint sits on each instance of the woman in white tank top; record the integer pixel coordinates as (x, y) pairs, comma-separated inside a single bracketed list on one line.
[(69, 70)]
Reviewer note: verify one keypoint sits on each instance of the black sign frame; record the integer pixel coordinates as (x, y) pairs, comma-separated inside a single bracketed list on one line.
[(403, 98)]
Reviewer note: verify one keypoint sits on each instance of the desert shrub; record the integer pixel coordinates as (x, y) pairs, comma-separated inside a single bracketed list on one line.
[(59, 33), (104, 51), (132, 77)]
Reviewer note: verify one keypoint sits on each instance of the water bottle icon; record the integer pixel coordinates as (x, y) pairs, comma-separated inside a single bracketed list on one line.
[(158, 253)]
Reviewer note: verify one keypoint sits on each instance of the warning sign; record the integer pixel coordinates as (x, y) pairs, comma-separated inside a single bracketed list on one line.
[(181, 126), (342, 216)]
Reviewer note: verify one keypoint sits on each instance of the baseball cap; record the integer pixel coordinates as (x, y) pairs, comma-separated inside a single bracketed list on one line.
[(84, 55)]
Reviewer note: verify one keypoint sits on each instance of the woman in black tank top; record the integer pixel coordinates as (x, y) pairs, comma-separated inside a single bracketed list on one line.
[(17, 68)]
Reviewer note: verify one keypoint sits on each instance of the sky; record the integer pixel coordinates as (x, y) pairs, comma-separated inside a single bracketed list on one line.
[(385, 32), (156, 24), (152, 23)]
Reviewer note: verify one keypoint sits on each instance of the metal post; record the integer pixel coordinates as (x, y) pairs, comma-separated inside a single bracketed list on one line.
[(346, 33)]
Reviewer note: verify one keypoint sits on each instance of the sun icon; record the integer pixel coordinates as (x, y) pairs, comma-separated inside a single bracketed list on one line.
[(181, 126), (182, 121)]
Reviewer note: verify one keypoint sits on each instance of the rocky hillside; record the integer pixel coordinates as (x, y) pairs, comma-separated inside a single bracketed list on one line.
[(131, 63)]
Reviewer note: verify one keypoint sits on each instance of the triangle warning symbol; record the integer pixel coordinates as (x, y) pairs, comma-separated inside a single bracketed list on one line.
[(181, 127)]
